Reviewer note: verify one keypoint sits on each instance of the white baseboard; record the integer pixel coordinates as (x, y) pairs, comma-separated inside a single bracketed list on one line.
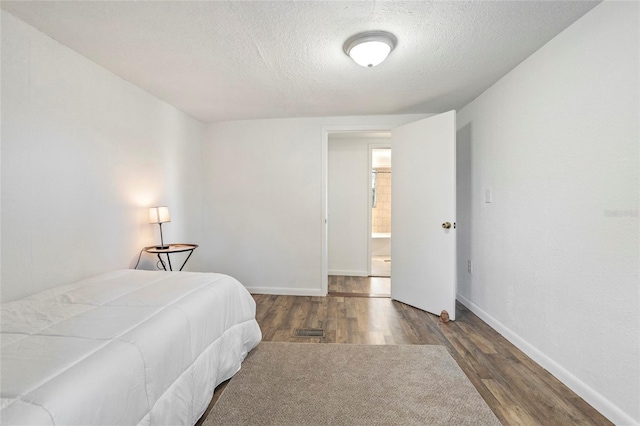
[(597, 401), (285, 291), (348, 273)]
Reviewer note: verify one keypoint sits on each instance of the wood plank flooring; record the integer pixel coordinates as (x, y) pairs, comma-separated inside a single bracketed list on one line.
[(350, 286), (519, 391)]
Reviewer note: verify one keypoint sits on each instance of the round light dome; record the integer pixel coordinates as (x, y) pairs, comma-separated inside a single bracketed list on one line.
[(370, 48)]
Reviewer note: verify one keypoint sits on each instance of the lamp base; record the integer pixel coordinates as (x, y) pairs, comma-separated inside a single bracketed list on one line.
[(161, 247)]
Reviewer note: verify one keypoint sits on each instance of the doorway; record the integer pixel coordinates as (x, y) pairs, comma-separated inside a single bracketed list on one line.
[(424, 243), (356, 203)]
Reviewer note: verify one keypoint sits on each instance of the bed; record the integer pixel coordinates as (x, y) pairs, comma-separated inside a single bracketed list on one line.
[(124, 348)]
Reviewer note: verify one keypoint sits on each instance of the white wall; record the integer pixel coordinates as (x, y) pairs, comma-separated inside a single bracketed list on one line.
[(264, 221), (84, 153), (349, 201), (556, 272)]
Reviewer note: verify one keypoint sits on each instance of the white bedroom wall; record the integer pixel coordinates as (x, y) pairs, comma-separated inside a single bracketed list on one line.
[(84, 154), (556, 254), (349, 193), (263, 197)]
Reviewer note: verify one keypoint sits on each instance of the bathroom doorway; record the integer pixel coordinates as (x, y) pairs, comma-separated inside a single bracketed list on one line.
[(380, 211)]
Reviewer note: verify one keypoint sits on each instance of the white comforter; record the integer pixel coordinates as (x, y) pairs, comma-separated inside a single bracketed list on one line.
[(125, 348)]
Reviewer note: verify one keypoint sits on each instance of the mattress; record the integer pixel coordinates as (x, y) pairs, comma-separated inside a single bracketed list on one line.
[(125, 348)]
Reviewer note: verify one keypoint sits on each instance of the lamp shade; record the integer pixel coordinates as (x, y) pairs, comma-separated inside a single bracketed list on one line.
[(159, 214)]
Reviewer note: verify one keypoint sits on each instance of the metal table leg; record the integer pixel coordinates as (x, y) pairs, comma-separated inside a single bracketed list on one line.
[(185, 261), (162, 262)]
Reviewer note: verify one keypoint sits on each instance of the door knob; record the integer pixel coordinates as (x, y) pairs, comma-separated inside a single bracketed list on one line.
[(446, 225)]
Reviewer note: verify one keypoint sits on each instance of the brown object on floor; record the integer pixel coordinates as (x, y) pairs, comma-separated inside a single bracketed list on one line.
[(301, 384), (444, 316)]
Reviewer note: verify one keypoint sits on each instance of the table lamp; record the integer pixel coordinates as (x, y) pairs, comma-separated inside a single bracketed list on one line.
[(160, 215)]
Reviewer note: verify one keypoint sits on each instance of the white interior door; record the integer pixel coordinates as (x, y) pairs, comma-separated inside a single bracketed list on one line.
[(423, 251)]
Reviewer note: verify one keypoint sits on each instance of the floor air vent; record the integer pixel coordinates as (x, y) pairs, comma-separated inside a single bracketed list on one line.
[(308, 332)]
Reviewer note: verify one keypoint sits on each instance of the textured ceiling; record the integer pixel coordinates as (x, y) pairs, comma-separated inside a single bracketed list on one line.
[(228, 60)]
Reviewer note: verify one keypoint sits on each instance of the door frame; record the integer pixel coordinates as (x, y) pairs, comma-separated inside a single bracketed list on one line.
[(324, 225), (373, 146)]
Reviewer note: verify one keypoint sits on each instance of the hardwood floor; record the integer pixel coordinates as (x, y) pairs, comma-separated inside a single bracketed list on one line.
[(359, 286), (519, 391)]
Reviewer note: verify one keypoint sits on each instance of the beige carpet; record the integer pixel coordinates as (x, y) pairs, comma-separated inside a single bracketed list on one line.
[(342, 384)]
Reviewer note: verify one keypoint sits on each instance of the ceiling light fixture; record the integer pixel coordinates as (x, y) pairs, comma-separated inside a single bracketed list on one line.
[(370, 48)]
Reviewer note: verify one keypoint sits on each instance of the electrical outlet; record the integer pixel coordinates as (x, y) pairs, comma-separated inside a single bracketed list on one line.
[(470, 266)]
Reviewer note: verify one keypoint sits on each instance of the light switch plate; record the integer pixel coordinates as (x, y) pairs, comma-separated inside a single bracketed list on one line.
[(488, 195)]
